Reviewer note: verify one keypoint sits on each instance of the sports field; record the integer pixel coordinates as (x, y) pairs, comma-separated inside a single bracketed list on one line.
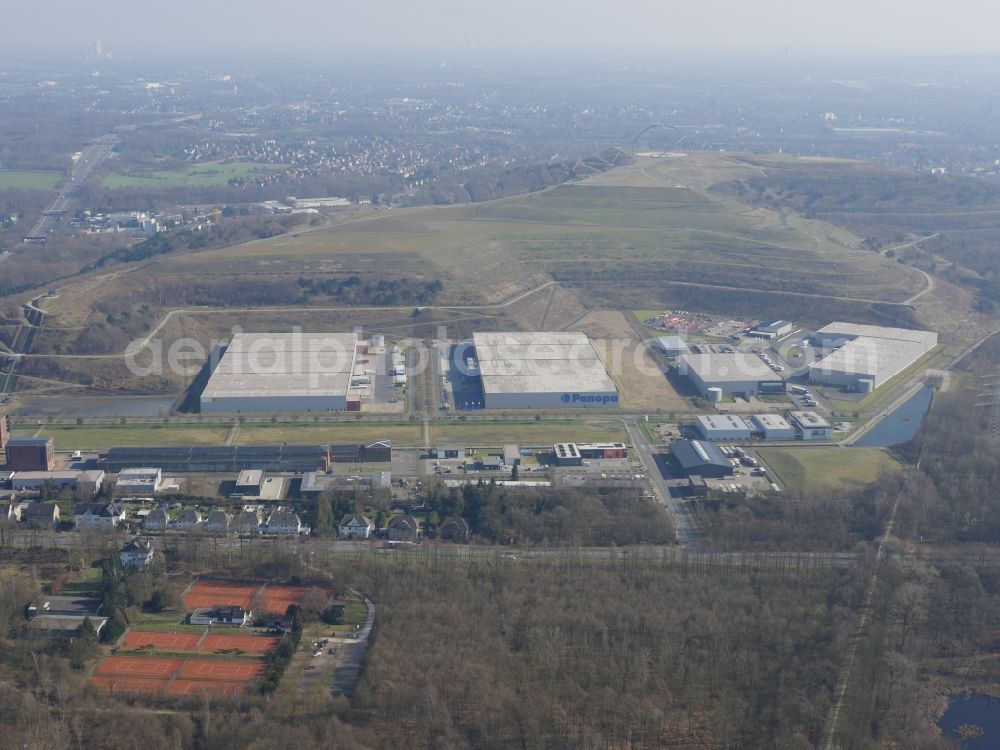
[(28, 179), (275, 598), (141, 674), (206, 594), (199, 643)]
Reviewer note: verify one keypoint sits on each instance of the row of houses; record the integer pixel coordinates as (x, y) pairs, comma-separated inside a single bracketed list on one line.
[(247, 521), (402, 528), (46, 515)]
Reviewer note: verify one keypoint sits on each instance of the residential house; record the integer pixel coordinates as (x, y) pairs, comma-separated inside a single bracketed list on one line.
[(404, 528), (218, 522), (157, 520), (247, 522), (284, 522), (41, 515), (188, 518), (98, 515), (137, 553), (355, 526), (454, 529)]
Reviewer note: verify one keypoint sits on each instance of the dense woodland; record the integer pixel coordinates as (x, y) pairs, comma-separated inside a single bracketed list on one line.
[(826, 520), (954, 496), (890, 208), (498, 653)]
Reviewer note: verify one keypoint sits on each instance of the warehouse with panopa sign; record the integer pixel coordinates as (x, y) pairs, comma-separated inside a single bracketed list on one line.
[(542, 370)]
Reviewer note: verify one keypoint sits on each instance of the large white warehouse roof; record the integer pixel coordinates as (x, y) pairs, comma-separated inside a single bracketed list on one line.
[(265, 365), (873, 352), (559, 362), (858, 330)]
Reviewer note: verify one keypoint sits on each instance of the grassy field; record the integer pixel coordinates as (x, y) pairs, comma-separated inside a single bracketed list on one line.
[(528, 432), (640, 381), (361, 432), (25, 179), (90, 437), (582, 233), (203, 175), (827, 468)]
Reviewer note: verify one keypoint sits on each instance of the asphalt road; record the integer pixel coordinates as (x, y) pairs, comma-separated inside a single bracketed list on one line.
[(684, 524), (352, 654), (91, 158)]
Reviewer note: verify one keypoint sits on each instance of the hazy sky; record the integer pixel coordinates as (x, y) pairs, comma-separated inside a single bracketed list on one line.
[(201, 27)]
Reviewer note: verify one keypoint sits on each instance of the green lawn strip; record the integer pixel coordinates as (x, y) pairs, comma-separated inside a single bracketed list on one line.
[(204, 655), (90, 437), (400, 433)]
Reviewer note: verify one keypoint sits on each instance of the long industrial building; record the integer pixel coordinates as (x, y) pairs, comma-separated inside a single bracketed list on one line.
[(733, 374), (542, 371), (240, 457), (281, 372), (732, 427), (864, 357)]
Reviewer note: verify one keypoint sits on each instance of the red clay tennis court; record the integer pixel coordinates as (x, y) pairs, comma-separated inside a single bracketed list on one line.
[(251, 644), (221, 670), (276, 597), (199, 642), (138, 674), (162, 641), (139, 666), (205, 594)]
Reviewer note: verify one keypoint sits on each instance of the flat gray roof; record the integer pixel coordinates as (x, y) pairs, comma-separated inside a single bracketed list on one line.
[(540, 362), (673, 343), (722, 422), (880, 359), (810, 420), (284, 364), (250, 476), (733, 367), (772, 421), (857, 330)]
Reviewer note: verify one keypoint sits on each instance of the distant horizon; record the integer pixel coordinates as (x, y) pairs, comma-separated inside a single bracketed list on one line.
[(713, 28), (634, 58)]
